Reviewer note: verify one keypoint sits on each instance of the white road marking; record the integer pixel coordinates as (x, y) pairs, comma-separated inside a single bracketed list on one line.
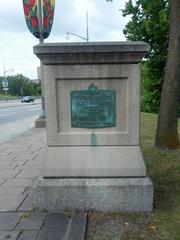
[(7, 114), (35, 109)]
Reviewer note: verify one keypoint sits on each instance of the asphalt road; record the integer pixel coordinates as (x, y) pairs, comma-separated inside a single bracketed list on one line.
[(15, 120)]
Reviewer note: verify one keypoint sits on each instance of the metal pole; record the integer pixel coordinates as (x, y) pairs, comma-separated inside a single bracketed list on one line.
[(87, 26), (5, 80), (40, 21), (41, 40), (6, 96)]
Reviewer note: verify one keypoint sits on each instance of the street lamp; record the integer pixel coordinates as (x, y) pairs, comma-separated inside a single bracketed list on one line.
[(76, 35), (87, 30)]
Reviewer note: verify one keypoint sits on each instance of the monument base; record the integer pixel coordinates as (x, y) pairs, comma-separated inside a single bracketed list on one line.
[(100, 194), (91, 161), (40, 123)]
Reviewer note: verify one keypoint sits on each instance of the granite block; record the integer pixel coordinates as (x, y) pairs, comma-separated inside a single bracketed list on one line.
[(102, 194)]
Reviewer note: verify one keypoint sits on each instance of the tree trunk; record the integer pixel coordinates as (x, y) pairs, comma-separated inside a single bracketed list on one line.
[(167, 133)]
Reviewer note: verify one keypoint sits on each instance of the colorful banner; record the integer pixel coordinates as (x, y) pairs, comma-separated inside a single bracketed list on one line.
[(48, 15), (31, 16)]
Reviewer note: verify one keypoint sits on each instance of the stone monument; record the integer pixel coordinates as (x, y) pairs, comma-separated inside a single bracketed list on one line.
[(93, 159)]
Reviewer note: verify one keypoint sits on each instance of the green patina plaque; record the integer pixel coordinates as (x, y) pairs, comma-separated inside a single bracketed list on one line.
[(93, 108)]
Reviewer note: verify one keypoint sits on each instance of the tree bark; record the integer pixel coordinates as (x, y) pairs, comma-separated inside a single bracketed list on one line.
[(167, 132)]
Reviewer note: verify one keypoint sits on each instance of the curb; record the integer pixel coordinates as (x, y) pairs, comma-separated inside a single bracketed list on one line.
[(19, 105)]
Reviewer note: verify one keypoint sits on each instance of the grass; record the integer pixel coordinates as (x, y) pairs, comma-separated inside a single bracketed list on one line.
[(164, 223), (10, 97), (164, 170)]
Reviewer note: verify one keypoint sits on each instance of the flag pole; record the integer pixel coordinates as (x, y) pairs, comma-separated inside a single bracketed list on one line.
[(41, 40), (40, 21)]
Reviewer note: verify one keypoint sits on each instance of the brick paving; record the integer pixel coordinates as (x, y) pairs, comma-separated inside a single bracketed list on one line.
[(20, 165)]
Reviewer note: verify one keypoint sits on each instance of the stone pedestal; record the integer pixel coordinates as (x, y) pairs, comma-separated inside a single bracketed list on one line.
[(40, 123), (93, 158)]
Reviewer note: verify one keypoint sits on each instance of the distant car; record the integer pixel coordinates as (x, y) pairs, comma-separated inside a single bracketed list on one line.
[(27, 99)]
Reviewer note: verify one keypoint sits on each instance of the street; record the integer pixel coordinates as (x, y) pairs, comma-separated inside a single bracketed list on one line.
[(16, 119)]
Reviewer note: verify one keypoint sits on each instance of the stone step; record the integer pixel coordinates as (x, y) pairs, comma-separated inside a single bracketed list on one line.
[(64, 226), (77, 229)]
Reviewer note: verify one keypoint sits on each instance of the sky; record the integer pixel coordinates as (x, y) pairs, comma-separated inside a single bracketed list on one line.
[(106, 23)]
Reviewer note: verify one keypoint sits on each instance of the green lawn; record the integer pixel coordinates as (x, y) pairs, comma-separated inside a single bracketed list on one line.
[(10, 97), (164, 223), (164, 170)]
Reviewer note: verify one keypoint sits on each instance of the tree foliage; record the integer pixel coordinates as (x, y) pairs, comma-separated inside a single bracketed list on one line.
[(20, 85), (150, 23)]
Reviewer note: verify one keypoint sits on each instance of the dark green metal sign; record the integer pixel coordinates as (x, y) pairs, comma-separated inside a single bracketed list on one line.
[(93, 108)]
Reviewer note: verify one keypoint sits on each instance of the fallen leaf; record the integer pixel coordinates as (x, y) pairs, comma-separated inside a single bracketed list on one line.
[(126, 223), (153, 228)]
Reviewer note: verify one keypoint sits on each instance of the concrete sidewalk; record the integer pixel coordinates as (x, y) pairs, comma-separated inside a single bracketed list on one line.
[(20, 165)]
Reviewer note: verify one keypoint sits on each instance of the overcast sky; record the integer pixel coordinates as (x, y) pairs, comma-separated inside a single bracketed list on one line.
[(106, 23)]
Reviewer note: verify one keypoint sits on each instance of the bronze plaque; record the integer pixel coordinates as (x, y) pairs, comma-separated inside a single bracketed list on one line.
[(93, 108)]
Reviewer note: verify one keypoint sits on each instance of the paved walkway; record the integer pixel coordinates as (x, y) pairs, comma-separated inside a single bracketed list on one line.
[(20, 165)]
